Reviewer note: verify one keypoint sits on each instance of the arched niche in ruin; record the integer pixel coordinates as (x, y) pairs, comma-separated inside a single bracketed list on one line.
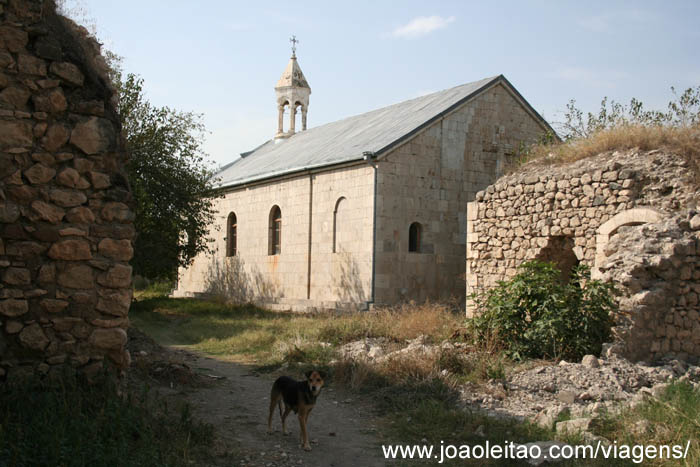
[(561, 251), (636, 216)]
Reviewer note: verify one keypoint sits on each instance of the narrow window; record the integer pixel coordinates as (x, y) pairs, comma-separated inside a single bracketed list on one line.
[(275, 238), (337, 219), (231, 235), (414, 237)]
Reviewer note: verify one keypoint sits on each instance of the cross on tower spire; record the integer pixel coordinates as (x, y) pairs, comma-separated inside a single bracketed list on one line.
[(294, 42)]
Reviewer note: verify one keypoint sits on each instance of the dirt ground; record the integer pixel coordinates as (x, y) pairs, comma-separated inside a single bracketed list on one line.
[(235, 401)]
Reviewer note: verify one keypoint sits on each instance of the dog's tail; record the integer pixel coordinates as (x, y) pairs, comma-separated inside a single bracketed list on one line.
[(279, 404)]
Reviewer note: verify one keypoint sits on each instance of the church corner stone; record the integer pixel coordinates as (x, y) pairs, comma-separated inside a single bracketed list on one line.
[(59, 259)]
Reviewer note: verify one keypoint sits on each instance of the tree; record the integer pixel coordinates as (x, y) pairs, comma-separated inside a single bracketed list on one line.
[(171, 180)]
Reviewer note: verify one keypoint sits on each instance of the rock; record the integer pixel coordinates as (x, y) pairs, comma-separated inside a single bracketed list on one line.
[(17, 276), (695, 222), (33, 337), (31, 65), (99, 180), (52, 101), (56, 136), (39, 173), (13, 308), (13, 327), (80, 215), (576, 425), (47, 274), (112, 338), (658, 390), (14, 39), (76, 277), (14, 97), (590, 361), (546, 417), (93, 136), (70, 250), (48, 212), (119, 250), (51, 305), (543, 448), (68, 177), (641, 428), (114, 302), (118, 276), (68, 72), (567, 397), (67, 198), (15, 134), (9, 212)]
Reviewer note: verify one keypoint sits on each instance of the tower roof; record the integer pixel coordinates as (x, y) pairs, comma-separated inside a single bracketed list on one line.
[(292, 76)]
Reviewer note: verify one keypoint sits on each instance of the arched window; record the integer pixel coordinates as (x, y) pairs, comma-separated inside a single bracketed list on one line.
[(414, 234), (337, 219), (275, 236), (231, 235)]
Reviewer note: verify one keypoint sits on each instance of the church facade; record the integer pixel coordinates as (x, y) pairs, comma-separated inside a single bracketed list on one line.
[(368, 210)]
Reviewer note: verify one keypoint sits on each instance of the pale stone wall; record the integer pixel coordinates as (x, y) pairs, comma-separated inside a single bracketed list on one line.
[(578, 213), (429, 180), (65, 223), (282, 281)]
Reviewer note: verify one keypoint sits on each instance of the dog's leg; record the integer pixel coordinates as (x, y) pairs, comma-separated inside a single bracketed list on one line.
[(303, 415), (283, 416), (274, 399)]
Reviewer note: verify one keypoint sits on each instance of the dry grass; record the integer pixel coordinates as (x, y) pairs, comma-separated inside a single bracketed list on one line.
[(398, 324), (684, 141)]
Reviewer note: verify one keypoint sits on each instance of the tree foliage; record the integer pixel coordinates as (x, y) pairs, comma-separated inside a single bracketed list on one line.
[(171, 181), (536, 315), (682, 111)]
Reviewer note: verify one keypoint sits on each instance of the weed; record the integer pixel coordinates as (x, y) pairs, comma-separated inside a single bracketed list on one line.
[(71, 423)]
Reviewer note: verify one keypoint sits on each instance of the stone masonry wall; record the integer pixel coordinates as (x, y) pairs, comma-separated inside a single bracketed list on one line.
[(577, 213), (65, 224), (428, 179), (304, 276)]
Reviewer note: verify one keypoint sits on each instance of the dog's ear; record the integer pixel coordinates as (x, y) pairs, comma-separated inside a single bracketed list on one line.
[(323, 374), (308, 374)]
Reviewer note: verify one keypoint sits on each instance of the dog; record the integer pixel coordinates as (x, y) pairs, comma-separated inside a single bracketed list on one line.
[(299, 396)]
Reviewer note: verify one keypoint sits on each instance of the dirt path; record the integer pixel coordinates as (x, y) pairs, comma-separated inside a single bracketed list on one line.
[(342, 432)]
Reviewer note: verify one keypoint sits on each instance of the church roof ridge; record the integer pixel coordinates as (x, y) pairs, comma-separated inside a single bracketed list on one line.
[(347, 139)]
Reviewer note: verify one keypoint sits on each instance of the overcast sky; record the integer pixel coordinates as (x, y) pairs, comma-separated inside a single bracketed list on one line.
[(223, 58)]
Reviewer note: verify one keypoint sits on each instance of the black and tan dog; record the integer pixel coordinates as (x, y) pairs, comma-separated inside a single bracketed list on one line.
[(299, 396)]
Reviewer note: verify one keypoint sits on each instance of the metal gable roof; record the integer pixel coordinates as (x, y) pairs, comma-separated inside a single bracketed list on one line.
[(346, 140)]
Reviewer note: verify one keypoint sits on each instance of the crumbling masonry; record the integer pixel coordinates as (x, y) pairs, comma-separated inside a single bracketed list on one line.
[(65, 223)]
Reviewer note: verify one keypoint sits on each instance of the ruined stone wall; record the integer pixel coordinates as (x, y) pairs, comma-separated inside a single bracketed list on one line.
[(65, 224), (577, 213), (657, 266)]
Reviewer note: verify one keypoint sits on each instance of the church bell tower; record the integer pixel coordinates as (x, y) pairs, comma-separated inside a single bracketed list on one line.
[(292, 92)]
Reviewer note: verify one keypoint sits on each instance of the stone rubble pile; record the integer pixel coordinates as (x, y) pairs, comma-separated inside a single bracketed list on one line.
[(542, 394)]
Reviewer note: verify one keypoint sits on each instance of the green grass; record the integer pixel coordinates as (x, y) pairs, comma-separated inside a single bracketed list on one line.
[(69, 423), (250, 334), (671, 419), (411, 395)]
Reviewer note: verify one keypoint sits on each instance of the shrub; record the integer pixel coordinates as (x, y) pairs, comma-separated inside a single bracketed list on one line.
[(537, 315)]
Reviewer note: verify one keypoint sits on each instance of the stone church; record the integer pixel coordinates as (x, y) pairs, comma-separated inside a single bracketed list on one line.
[(368, 210)]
